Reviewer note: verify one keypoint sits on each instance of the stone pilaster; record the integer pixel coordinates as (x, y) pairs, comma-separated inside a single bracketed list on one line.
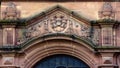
[(107, 35), (8, 31), (107, 38)]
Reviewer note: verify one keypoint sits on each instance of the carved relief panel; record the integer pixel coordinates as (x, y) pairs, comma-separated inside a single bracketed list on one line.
[(57, 22)]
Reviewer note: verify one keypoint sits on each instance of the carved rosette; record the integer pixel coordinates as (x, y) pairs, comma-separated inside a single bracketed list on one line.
[(58, 22)]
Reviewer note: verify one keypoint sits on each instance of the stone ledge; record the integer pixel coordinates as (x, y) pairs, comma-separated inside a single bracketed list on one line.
[(8, 66), (108, 66)]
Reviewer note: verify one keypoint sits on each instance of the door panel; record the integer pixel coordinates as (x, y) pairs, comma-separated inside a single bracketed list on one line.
[(61, 61)]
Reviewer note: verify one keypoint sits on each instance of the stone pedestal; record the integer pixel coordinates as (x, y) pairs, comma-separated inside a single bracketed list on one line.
[(8, 61), (107, 59)]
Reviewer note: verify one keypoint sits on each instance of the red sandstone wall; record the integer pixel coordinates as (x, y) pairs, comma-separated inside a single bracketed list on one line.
[(87, 9)]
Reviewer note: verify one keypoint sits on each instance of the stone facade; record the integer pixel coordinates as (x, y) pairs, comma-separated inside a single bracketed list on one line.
[(31, 31)]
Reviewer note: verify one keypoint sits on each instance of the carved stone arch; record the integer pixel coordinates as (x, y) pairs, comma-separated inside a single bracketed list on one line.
[(49, 47), (42, 42)]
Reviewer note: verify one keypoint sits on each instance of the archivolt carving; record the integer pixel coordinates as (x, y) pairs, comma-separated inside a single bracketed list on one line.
[(58, 22)]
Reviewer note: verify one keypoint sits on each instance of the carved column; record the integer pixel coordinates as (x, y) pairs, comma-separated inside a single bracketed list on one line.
[(107, 42), (106, 15)]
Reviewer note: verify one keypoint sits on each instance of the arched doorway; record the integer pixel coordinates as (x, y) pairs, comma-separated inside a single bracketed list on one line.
[(60, 61)]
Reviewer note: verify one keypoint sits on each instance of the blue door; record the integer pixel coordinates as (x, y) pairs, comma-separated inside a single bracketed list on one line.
[(61, 61)]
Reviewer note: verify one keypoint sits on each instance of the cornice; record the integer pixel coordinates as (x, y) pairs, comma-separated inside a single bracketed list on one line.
[(21, 47), (51, 10)]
